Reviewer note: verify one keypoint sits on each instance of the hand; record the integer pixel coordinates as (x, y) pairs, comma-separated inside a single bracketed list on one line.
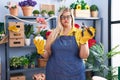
[(39, 44), (87, 33)]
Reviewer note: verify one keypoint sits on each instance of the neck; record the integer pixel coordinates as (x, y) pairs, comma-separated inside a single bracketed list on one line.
[(66, 30)]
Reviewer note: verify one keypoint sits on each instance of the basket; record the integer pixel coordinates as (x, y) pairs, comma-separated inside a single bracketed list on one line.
[(42, 62), (82, 13)]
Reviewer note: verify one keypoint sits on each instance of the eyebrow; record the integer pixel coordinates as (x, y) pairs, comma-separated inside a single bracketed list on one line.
[(65, 15)]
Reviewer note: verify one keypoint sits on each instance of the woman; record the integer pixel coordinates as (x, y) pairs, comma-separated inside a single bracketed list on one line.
[(66, 49)]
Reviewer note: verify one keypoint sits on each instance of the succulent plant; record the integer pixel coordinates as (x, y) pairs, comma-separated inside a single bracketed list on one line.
[(94, 8)]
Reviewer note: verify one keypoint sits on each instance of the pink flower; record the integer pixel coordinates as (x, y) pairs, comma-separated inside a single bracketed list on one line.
[(40, 20)]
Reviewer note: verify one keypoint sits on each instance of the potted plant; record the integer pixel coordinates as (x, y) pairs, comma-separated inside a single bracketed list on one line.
[(13, 8), (27, 6), (36, 12), (24, 62), (28, 32), (44, 13), (32, 65), (15, 63), (42, 62), (81, 8), (51, 13), (94, 10), (32, 58), (97, 58)]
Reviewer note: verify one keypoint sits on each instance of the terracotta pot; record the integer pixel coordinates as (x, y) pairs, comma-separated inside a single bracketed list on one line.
[(94, 13), (27, 10), (42, 62), (14, 11)]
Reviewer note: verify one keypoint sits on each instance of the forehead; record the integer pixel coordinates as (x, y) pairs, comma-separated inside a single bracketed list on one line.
[(66, 13)]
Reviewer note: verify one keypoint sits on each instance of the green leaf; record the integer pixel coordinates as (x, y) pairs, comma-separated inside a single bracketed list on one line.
[(28, 30), (113, 52)]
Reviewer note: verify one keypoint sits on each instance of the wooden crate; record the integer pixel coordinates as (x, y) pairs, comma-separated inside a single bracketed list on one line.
[(16, 42), (16, 35), (82, 13), (47, 7), (19, 25), (42, 62), (19, 77)]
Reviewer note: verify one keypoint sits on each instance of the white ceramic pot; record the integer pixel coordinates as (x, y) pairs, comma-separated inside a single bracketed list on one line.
[(27, 42)]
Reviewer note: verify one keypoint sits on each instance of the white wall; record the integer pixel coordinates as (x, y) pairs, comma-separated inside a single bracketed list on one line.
[(103, 13), (4, 11), (102, 4)]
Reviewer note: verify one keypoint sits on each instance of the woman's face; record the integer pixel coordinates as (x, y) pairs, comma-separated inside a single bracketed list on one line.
[(66, 19)]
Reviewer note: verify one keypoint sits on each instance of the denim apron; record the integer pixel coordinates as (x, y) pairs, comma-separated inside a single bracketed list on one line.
[(64, 62)]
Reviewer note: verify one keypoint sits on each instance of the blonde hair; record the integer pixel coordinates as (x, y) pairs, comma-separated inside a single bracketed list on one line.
[(59, 28)]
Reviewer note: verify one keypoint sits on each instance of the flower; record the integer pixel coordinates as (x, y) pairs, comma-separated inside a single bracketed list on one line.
[(11, 5), (91, 42), (78, 6), (77, 26), (41, 20), (27, 3), (87, 7), (47, 34), (81, 5)]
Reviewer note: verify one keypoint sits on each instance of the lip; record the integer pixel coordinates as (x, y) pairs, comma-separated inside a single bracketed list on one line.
[(66, 22)]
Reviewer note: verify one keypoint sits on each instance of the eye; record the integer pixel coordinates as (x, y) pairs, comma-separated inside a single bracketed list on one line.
[(64, 17)]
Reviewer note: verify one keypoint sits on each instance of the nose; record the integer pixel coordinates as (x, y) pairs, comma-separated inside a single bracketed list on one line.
[(65, 18)]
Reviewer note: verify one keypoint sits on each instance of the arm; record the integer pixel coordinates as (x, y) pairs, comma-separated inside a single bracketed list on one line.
[(87, 34), (47, 48), (44, 49), (84, 51)]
